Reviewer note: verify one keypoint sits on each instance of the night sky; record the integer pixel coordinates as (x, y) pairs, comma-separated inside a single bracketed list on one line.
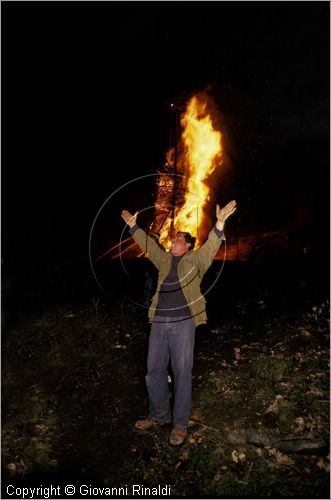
[(85, 98)]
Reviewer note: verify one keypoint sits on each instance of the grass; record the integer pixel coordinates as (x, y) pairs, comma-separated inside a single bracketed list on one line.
[(73, 384)]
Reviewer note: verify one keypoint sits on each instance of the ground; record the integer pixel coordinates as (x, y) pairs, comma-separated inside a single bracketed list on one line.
[(73, 385)]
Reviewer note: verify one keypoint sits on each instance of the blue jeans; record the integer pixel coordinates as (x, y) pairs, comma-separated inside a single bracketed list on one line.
[(170, 338)]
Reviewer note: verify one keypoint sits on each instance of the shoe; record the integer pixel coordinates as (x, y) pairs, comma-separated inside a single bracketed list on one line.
[(145, 424), (177, 436)]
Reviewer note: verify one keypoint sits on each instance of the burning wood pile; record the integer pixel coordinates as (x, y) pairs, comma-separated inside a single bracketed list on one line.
[(182, 190)]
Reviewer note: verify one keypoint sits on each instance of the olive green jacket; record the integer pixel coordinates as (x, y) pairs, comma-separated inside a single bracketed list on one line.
[(191, 269)]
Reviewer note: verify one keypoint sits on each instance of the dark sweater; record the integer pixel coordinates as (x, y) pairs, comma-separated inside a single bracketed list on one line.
[(171, 299)]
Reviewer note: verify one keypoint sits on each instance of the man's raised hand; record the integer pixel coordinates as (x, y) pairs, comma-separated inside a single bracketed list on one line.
[(223, 213), (128, 218)]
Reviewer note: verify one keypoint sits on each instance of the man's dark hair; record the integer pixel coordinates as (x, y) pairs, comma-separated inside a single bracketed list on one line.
[(188, 238)]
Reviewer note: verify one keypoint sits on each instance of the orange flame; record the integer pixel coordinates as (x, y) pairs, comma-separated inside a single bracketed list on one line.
[(182, 192), (201, 153)]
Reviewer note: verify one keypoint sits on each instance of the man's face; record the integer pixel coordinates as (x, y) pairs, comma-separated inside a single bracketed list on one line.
[(179, 246)]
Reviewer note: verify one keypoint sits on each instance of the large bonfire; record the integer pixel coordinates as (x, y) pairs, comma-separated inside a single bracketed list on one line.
[(183, 192)]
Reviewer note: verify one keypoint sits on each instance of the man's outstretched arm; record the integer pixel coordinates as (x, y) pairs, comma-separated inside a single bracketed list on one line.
[(209, 249), (145, 242)]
